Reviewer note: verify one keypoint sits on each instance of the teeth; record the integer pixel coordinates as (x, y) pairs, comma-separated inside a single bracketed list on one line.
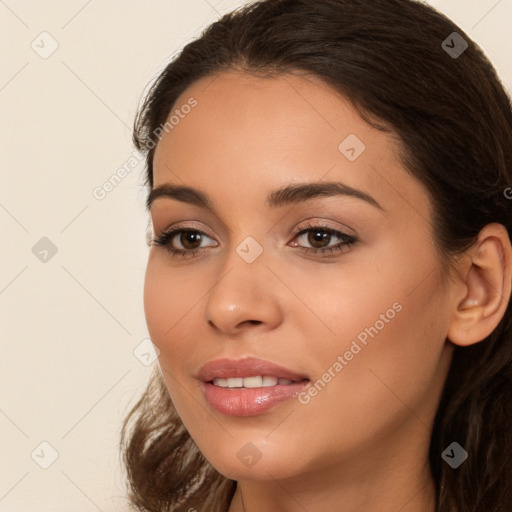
[(256, 381), (252, 382), (235, 382), (269, 381)]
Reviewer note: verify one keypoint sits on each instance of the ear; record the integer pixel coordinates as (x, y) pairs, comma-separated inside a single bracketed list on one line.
[(482, 296)]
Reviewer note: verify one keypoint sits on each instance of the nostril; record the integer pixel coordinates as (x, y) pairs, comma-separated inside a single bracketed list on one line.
[(252, 322)]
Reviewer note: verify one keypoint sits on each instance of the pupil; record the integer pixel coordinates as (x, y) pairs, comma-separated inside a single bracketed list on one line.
[(188, 238), (317, 237)]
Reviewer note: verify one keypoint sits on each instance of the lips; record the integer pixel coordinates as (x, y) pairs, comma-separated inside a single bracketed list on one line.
[(247, 367)]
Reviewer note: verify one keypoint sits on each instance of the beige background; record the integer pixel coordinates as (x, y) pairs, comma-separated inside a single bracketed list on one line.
[(70, 324)]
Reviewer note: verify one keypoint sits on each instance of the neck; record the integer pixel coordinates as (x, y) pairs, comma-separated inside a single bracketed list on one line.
[(388, 479), (390, 495)]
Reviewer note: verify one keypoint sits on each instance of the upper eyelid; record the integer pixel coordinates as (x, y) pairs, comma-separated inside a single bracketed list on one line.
[(174, 231), (309, 210), (314, 221), (298, 230)]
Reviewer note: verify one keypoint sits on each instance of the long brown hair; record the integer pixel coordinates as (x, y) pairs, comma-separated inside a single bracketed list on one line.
[(454, 120)]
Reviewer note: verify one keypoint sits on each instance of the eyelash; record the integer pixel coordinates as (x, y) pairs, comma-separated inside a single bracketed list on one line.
[(348, 240)]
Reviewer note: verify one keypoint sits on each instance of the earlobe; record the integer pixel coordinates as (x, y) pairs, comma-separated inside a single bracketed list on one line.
[(487, 287)]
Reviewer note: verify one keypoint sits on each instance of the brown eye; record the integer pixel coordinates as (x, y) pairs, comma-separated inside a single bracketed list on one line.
[(319, 238), (190, 239)]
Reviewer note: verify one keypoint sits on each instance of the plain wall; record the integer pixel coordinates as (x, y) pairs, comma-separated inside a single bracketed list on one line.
[(71, 321)]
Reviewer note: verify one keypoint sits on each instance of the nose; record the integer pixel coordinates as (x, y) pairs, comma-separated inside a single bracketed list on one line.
[(244, 298)]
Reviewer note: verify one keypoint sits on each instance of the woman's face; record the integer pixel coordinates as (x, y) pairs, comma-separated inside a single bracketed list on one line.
[(364, 322)]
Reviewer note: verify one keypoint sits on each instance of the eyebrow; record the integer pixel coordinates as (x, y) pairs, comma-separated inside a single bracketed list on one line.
[(290, 194)]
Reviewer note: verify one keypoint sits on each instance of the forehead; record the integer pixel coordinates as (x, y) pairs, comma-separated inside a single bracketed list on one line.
[(246, 135)]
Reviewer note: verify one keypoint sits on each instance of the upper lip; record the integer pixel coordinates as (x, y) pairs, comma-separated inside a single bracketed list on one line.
[(247, 367)]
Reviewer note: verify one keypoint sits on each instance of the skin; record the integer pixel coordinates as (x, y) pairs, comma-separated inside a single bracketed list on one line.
[(361, 444)]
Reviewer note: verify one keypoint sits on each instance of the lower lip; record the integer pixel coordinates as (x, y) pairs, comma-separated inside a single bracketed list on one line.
[(249, 401)]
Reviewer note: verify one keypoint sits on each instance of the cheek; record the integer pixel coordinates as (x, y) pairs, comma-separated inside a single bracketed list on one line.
[(383, 360), (157, 303), (170, 297), (387, 319)]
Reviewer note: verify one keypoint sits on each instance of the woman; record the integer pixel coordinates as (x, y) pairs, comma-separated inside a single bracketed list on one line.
[(330, 274)]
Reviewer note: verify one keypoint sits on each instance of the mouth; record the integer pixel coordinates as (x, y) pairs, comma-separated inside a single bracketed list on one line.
[(249, 372), (248, 387), (241, 401), (255, 381)]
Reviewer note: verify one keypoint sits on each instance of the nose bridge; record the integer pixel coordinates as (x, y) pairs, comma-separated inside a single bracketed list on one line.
[(241, 293)]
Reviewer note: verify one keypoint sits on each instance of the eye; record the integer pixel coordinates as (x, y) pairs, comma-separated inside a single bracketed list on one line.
[(189, 239), (318, 236)]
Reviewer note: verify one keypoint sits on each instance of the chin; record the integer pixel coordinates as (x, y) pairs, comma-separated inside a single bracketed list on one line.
[(252, 461)]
